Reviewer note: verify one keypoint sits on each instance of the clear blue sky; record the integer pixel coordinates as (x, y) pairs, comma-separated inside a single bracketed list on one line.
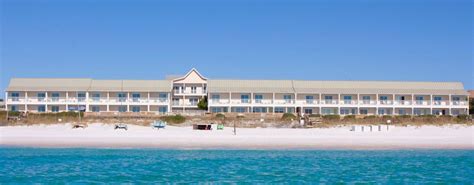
[(318, 40)]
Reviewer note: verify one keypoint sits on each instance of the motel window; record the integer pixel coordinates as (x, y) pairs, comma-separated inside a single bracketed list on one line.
[(176, 89), (95, 109), (81, 97), (244, 98), (122, 97), (54, 108), (290, 110), (96, 96), (14, 108), (163, 96), (309, 99), (41, 96), (135, 97), (215, 98), (383, 99), (419, 99), (258, 98), (216, 109), (366, 99), (259, 109), (287, 98), (402, 112), (347, 99), (193, 89), (328, 99), (204, 90), (240, 109), (193, 101), (308, 111), (135, 109), (382, 112), (162, 109), (279, 109), (55, 96), (175, 101), (41, 108), (364, 111), (327, 111), (122, 108), (437, 100), (15, 96)]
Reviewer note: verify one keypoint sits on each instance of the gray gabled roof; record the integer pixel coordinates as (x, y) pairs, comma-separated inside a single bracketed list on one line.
[(248, 86), (49, 84), (379, 87), (65, 84), (335, 87)]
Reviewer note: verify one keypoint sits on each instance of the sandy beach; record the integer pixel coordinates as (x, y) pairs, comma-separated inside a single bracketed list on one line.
[(104, 136)]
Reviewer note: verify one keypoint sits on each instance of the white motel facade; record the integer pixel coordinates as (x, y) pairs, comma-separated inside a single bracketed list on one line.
[(182, 94)]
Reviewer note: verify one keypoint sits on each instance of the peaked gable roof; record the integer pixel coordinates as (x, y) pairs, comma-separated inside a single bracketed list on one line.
[(193, 70)]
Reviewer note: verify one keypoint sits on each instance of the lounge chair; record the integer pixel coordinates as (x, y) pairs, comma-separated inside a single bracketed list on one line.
[(121, 126), (158, 124), (78, 125), (220, 127)]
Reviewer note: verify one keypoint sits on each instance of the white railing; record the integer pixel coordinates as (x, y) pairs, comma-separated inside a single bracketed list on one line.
[(422, 102), (217, 101), (385, 102), (329, 102), (368, 102), (402, 102), (348, 102)]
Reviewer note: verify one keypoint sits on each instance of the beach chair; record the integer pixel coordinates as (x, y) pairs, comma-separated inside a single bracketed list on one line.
[(78, 125), (121, 126), (220, 127), (158, 124)]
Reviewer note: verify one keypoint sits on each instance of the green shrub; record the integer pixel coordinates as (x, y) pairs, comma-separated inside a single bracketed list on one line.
[(349, 117), (315, 115), (370, 117), (176, 119), (288, 116), (220, 115), (426, 116), (240, 116), (403, 116), (463, 117), (385, 117), (332, 117)]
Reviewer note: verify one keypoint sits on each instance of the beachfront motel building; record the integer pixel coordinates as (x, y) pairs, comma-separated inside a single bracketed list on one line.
[(182, 94)]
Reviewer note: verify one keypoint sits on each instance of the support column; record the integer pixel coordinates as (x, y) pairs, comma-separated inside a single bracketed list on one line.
[(26, 101), (169, 102), (449, 104), (148, 102), (87, 101), (273, 102), (67, 101), (251, 102), (46, 102), (413, 102), (6, 103), (108, 102), (376, 104), (339, 104), (128, 101), (357, 103), (230, 102), (431, 103), (393, 104)]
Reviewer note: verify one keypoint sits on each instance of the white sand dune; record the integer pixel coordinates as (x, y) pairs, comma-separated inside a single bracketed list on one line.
[(104, 136)]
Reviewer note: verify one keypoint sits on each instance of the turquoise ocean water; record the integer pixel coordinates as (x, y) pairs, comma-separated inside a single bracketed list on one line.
[(53, 166)]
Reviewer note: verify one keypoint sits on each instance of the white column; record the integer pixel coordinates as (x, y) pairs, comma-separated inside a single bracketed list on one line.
[(230, 102), (376, 104), (87, 101), (273, 102), (393, 104), (357, 103), (67, 101), (46, 103), (26, 101), (148, 102), (339, 104), (108, 102), (6, 102), (449, 104), (251, 102), (169, 102), (128, 101), (413, 104), (431, 103)]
